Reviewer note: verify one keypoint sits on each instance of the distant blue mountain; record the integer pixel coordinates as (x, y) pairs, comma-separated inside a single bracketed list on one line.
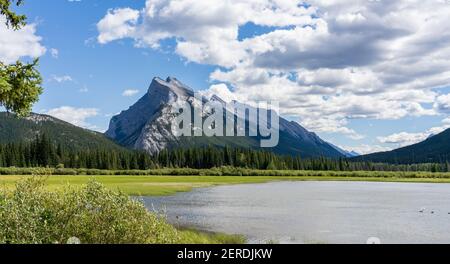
[(347, 154)]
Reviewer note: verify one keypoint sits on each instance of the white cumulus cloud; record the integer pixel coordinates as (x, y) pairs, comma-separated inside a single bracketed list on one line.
[(73, 115), (130, 92), (326, 62), (118, 23), (54, 52), (17, 44), (61, 79)]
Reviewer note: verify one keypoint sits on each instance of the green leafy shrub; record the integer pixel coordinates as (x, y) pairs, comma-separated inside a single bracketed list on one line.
[(29, 214)]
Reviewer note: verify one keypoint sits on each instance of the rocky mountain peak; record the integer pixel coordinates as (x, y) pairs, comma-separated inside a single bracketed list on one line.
[(146, 125), (171, 84), (216, 98)]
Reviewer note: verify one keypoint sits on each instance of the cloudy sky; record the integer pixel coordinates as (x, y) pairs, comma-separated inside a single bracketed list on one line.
[(365, 75)]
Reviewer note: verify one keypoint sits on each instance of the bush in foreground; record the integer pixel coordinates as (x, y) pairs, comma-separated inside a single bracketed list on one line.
[(29, 214)]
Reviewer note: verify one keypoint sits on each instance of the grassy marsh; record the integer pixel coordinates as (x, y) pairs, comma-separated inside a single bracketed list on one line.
[(168, 185)]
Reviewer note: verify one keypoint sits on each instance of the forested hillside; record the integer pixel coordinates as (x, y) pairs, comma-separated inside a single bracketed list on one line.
[(14, 129), (435, 149)]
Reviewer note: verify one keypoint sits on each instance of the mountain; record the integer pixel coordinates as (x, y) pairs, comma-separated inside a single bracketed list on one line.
[(433, 149), (352, 153), (146, 125), (13, 130), (346, 153)]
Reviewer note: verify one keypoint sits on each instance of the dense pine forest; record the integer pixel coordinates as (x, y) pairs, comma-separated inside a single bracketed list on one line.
[(43, 152)]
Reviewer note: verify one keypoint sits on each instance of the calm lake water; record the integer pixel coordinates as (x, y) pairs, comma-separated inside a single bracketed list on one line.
[(316, 212)]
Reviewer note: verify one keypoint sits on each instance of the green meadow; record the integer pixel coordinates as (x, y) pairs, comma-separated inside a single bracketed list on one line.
[(170, 184)]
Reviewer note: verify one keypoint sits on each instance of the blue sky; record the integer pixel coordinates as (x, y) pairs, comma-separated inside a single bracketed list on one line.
[(105, 71), (362, 91)]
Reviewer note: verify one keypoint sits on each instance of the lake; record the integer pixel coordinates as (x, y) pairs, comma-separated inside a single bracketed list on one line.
[(316, 212)]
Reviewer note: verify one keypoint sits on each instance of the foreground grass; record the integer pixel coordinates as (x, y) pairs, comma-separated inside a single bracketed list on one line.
[(168, 185), (191, 236), (88, 214)]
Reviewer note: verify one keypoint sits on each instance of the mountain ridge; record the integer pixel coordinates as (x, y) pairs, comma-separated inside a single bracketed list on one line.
[(13, 130), (434, 149), (146, 126)]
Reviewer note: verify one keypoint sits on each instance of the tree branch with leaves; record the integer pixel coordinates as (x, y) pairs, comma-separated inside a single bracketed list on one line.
[(12, 19), (20, 83)]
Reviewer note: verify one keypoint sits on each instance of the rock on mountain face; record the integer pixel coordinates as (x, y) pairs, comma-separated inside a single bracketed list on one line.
[(147, 126)]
